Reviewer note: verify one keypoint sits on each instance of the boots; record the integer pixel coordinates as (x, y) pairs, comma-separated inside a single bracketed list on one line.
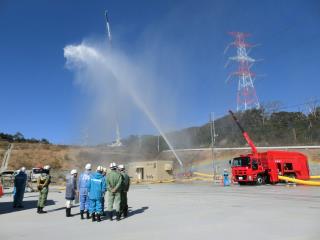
[(98, 218), (81, 214), (118, 214), (93, 217), (38, 209), (110, 215), (125, 212), (68, 212), (88, 215), (41, 210)]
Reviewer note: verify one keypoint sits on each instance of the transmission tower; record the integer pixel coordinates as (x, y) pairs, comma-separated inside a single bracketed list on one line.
[(246, 93)]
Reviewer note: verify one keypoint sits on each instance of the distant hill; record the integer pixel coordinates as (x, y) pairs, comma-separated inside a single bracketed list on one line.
[(265, 129)]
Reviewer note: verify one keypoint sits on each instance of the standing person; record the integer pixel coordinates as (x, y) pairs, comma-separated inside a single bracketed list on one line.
[(96, 189), (124, 191), (43, 186), (71, 190), (114, 181), (104, 173), (83, 191), (226, 181), (20, 181)]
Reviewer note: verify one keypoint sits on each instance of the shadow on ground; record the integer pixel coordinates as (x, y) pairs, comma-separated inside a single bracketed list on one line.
[(6, 207), (137, 211)]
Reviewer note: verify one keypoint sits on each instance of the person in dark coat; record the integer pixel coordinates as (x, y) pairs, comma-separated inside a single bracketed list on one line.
[(71, 191), (124, 190), (20, 181)]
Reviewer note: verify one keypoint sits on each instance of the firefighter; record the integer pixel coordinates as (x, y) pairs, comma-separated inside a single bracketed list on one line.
[(124, 191), (83, 191), (226, 181), (96, 188), (71, 190), (114, 181), (20, 181), (43, 183)]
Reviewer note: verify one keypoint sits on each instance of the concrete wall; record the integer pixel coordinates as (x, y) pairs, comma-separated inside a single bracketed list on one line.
[(150, 170)]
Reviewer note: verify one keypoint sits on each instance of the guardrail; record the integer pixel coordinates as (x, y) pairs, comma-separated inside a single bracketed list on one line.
[(243, 148)]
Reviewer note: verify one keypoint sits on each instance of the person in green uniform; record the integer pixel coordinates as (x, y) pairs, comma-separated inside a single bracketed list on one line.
[(124, 190), (43, 187), (114, 182)]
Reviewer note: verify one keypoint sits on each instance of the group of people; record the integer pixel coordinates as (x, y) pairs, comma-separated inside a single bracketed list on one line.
[(20, 183), (92, 189)]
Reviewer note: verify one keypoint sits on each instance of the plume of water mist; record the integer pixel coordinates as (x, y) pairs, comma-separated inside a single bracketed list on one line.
[(115, 66)]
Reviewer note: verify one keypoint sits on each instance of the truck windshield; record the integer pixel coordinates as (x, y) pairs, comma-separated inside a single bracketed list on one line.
[(241, 162)]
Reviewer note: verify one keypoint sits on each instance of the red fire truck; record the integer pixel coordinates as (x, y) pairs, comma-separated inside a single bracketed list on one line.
[(265, 167)]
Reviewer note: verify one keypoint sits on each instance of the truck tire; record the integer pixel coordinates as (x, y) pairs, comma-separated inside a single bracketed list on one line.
[(260, 180)]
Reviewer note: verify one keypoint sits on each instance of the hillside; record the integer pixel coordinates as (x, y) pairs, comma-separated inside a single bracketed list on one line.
[(265, 129), (64, 157)]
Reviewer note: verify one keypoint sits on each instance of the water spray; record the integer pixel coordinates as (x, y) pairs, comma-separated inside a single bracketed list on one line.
[(139, 102)]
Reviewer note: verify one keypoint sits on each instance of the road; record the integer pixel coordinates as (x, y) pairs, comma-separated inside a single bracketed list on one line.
[(179, 211)]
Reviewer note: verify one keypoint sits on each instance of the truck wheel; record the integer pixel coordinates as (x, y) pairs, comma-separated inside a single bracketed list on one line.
[(260, 180)]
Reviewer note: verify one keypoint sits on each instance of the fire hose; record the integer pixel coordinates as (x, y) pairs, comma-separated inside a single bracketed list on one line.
[(304, 182)]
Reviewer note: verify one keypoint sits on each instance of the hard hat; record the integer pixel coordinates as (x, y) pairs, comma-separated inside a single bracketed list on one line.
[(73, 171), (225, 169), (99, 169), (23, 169), (88, 166), (46, 167), (113, 165), (121, 167)]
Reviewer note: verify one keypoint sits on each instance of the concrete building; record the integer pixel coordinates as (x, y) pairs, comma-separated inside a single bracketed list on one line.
[(151, 170)]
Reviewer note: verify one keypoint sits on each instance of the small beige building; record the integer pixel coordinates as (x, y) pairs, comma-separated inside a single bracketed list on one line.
[(151, 170)]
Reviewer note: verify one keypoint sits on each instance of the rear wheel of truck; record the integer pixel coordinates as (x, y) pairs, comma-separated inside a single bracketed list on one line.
[(260, 180)]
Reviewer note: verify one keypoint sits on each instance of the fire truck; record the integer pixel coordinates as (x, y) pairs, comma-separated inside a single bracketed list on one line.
[(265, 167)]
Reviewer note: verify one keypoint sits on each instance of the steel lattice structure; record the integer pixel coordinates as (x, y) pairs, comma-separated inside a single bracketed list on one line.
[(246, 93)]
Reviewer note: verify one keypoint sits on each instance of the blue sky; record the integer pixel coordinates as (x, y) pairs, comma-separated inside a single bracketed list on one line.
[(185, 41)]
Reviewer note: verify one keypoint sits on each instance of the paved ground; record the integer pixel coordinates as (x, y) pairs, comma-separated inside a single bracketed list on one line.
[(178, 211)]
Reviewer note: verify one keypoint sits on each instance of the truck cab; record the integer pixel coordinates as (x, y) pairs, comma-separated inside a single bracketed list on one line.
[(247, 169)]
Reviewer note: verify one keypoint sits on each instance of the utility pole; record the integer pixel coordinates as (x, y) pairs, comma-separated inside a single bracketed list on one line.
[(158, 143), (213, 140)]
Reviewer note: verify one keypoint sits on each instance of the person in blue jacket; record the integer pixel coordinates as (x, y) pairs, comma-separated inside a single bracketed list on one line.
[(226, 181), (20, 181), (83, 191), (96, 188)]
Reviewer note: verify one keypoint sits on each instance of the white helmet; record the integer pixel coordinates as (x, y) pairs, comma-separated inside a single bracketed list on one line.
[(113, 165), (88, 166), (121, 167), (23, 169), (73, 171), (46, 167), (99, 168)]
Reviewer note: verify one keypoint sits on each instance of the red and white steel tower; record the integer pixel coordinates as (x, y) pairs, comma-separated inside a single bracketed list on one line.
[(246, 93)]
